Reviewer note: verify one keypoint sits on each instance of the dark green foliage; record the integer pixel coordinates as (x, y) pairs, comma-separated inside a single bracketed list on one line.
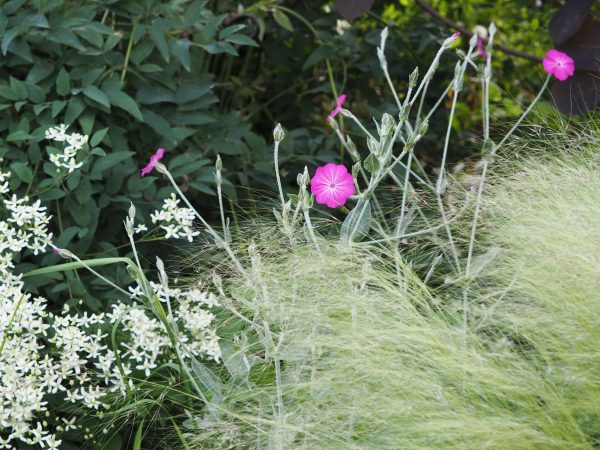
[(130, 74)]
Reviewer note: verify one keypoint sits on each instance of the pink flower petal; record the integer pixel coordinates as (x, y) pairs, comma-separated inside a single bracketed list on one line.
[(332, 185), (558, 64), (154, 159)]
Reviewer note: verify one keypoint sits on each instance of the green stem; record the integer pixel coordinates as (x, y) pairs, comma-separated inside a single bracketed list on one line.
[(128, 54)]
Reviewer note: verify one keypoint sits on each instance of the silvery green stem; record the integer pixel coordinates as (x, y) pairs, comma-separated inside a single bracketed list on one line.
[(417, 233), (221, 209), (277, 176), (404, 192), (349, 114), (210, 229), (485, 170), (311, 231)]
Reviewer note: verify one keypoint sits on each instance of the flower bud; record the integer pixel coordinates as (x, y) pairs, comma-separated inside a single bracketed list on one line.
[(128, 223), (132, 212), (458, 77), (162, 275), (356, 170), (352, 149), (373, 146), (423, 127), (219, 163), (278, 134), (387, 125), (414, 76), (217, 281), (344, 112), (474, 38)]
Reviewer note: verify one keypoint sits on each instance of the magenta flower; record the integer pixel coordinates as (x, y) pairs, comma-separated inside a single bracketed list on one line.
[(559, 64), (480, 49), (154, 159), (340, 101), (332, 185)]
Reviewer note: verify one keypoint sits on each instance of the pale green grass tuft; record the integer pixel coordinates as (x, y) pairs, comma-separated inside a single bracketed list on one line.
[(367, 362)]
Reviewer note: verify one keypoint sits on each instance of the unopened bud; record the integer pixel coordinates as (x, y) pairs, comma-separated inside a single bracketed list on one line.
[(128, 223), (132, 211), (423, 127), (218, 282), (219, 163), (278, 134), (373, 146), (458, 76), (162, 275), (352, 149), (387, 125), (414, 76)]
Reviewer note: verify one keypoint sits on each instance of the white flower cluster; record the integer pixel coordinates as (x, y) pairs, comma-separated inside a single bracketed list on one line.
[(74, 143), (3, 180), (175, 221), (26, 376), (191, 312), (26, 227)]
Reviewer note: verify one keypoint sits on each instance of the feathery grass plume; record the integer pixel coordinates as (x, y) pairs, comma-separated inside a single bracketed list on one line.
[(348, 353), (544, 217)]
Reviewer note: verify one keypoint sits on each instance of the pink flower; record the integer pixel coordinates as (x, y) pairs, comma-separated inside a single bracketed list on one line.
[(154, 159), (332, 185), (340, 101), (559, 64), (480, 49)]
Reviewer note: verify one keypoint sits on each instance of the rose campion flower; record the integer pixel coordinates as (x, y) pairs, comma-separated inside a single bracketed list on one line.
[(154, 159), (332, 185), (559, 64), (340, 101), (480, 48)]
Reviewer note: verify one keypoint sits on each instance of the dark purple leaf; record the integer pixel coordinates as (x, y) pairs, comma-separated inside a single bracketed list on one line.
[(584, 46), (351, 9), (578, 94), (567, 20)]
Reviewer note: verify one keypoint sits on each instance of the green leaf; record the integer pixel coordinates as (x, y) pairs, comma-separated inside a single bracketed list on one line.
[(242, 39), (84, 191), (111, 41), (93, 93), (358, 222), (157, 34), (57, 107), (18, 136), (66, 37), (137, 441), (208, 379), (225, 32), (52, 194), (8, 37), (18, 87), (155, 94), (22, 171), (63, 82), (319, 54), (79, 265), (371, 163), (98, 137), (181, 49), (283, 20), (159, 124), (121, 100), (109, 161), (193, 91)]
